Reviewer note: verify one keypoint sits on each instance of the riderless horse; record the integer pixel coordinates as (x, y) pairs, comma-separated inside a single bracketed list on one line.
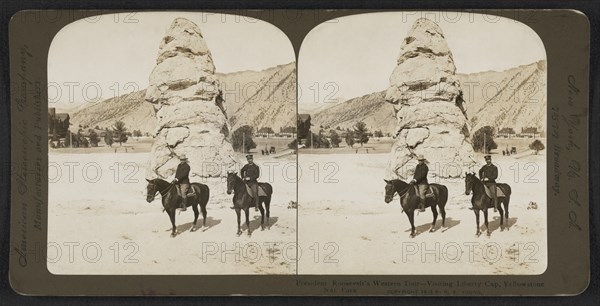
[(171, 199), (243, 201), (409, 200), (481, 201)]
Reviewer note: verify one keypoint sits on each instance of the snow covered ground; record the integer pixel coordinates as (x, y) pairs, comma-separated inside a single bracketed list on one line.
[(345, 227), (102, 224)]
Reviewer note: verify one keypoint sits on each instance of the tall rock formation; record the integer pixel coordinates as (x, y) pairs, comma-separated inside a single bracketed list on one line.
[(427, 99), (189, 109)]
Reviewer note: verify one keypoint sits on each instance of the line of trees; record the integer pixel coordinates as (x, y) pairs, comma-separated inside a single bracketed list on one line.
[(359, 133), (483, 141)]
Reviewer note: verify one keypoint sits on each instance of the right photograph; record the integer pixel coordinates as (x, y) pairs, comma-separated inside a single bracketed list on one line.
[(421, 146)]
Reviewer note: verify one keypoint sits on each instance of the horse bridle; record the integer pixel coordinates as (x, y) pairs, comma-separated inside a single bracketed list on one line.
[(161, 192), (401, 193)]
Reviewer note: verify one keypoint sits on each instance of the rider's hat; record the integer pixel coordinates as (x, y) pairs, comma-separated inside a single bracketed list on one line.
[(420, 157), (249, 156), (182, 157), (488, 157)]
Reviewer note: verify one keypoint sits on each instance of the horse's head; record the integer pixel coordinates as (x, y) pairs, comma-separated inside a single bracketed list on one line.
[(469, 180), (231, 179), (389, 191), (151, 191)]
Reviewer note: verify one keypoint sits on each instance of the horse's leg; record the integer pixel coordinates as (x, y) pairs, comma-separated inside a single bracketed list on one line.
[(506, 201), (501, 210), (196, 213), (262, 215), (476, 211), (443, 212), (203, 208), (268, 208), (485, 220), (171, 213), (238, 212), (247, 211), (435, 214), (411, 218)]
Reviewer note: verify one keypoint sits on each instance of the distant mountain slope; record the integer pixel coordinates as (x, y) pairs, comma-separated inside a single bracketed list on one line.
[(272, 105), (270, 92), (129, 108), (512, 98), (371, 108)]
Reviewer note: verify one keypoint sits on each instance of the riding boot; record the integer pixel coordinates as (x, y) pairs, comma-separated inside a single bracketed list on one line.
[(495, 204), (255, 196), (421, 205), (184, 203)]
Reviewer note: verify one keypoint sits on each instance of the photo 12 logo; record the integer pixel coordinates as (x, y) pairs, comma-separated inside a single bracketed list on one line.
[(469, 252), (283, 252), (72, 252)]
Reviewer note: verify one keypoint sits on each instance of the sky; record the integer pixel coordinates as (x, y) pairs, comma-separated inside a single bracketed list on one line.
[(109, 55), (353, 56)]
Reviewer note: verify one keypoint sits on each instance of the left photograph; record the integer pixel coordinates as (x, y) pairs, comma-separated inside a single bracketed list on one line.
[(172, 146)]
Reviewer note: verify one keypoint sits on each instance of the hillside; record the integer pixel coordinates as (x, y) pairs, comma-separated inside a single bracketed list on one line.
[(370, 108), (512, 98), (267, 99), (129, 108), (270, 92)]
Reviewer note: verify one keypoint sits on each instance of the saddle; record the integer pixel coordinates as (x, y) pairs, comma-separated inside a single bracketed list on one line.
[(499, 192), (428, 193), (190, 192), (261, 191)]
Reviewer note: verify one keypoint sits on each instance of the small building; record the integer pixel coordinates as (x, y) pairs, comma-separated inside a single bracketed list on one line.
[(288, 131), (506, 132), (265, 132), (530, 132)]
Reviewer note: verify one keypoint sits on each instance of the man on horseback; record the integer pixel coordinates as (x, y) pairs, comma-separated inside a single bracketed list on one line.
[(420, 180), (182, 179), (250, 173), (488, 175)]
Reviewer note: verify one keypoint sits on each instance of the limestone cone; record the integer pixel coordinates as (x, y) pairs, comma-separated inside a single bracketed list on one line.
[(431, 118), (185, 95)]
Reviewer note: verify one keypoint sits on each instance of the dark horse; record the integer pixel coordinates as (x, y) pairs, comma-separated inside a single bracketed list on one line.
[(171, 199), (243, 200), (409, 200), (481, 201)]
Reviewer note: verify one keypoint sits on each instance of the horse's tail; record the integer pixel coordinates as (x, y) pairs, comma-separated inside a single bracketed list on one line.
[(505, 188), (204, 192), (267, 188), (443, 195)]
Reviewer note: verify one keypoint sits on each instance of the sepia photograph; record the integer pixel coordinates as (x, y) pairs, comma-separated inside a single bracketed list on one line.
[(171, 146), (299, 152), (422, 141)]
